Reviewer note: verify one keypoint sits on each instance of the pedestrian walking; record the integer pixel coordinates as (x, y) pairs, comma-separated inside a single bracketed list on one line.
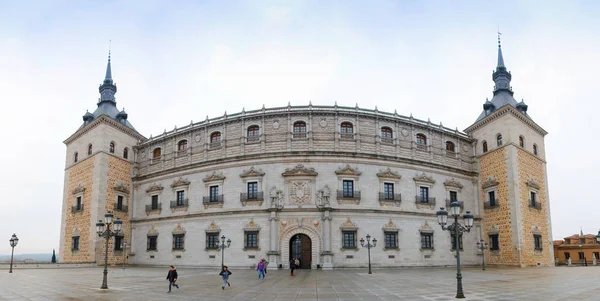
[(225, 272), (172, 278), (260, 268), (266, 265), (292, 266)]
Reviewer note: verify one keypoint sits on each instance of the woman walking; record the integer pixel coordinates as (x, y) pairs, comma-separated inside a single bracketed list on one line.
[(260, 268)]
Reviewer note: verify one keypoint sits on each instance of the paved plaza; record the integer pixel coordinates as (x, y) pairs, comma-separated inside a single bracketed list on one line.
[(141, 283)]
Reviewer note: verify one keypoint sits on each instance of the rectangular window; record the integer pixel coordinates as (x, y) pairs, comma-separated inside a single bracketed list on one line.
[(492, 197), (494, 242), (424, 194), (533, 198), (349, 239), (581, 255), (537, 241), (388, 191), (391, 240), (252, 190), (178, 240), (426, 241), (214, 193), (151, 243), (252, 240), (75, 243), (118, 243), (453, 196), (453, 239), (567, 255), (597, 255), (154, 202), (78, 203), (212, 240), (348, 188), (180, 197), (119, 202)]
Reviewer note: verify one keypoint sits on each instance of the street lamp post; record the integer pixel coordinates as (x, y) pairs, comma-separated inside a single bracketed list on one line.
[(222, 246), (14, 240), (107, 234), (482, 245), (368, 245), (456, 229)]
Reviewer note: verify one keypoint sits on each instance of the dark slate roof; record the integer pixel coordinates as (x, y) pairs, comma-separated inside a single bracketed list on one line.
[(110, 109)]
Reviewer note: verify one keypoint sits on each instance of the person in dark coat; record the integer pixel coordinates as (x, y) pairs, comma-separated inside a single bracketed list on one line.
[(292, 266), (172, 277), (225, 275)]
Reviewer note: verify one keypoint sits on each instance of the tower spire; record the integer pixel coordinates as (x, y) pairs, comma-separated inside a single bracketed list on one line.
[(108, 77), (108, 88), (500, 58), (501, 76)]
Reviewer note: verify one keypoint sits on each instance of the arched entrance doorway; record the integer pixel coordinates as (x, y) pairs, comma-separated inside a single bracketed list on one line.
[(301, 248)]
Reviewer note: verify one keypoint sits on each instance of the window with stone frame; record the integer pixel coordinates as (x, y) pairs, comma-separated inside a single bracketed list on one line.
[(347, 130), (348, 188), (424, 194), (453, 196), (251, 239), (450, 147), (151, 242), (521, 141), (537, 242), (76, 157), (78, 203), (388, 191), (213, 193), (154, 204), (391, 240), (125, 153), (215, 138), (484, 146), (253, 133), (111, 148), (120, 203), (386, 134), (349, 239), (178, 241), (533, 201), (180, 194), (182, 146), (421, 139), (499, 140), (75, 243), (492, 198), (453, 241), (299, 127), (535, 150), (156, 153), (494, 242), (426, 241), (89, 149), (252, 190), (119, 243), (212, 240)]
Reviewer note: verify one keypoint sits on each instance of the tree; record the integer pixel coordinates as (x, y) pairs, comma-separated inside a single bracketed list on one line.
[(53, 256)]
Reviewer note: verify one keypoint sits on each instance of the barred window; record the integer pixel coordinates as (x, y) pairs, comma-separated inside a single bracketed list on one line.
[(494, 242), (299, 127), (178, 241), (75, 243), (391, 240), (426, 241), (212, 240), (537, 241), (151, 243), (349, 239)]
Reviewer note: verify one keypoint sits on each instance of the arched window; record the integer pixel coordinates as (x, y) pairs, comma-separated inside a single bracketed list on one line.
[(253, 133), (386, 135), (535, 152), (215, 139), (521, 141), (89, 149), (125, 153), (76, 157), (156, 153), (111, 148), (499, 140), (299, 127), (299, 130), (182, 146), (450, 146), (484, 145)]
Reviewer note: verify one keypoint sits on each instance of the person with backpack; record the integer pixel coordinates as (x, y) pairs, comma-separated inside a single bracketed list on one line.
[(225, 272), (172, 277)]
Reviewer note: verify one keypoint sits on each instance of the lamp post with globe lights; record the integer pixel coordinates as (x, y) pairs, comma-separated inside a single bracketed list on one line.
[(456, 229), (222, 246), (14, 240), (368, 245), (103, 230), (482, 245)]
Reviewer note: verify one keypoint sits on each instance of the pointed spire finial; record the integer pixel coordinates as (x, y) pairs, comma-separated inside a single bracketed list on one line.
[(499, 34), (500, 57)]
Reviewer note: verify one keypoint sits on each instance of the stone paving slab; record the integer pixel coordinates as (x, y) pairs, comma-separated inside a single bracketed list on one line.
[(418, 284)]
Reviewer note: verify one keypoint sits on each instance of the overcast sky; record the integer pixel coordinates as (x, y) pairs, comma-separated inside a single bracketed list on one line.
[(176, 63)]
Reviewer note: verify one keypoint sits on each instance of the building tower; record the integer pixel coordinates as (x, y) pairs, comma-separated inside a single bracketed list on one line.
[(513, 184), (97, 179)]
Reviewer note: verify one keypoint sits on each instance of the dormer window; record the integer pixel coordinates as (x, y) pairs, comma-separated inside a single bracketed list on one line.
[(111, 148), (89, 149), (499, 140)]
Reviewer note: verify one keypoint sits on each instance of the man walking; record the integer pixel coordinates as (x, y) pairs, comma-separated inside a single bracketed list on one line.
[(172, 277)]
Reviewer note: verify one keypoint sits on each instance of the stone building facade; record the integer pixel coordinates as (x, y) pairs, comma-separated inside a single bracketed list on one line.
[(309, 182)]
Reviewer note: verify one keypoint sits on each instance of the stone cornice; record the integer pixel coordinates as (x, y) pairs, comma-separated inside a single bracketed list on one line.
[(299, 170), (388, 173), (103, 119), (506, 109), (347, 171)]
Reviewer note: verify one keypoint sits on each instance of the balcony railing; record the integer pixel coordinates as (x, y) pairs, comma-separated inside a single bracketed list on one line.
[(253, 196), (212, 199), (348, 194), (420, 199), (535, 204), (179, 203), (449, 201), (77, 208), (396, 197), (123, 207), (151, 208), (490, 205), (299, 135)]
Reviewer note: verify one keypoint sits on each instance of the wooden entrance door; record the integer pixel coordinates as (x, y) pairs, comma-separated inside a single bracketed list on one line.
[(301, 248)]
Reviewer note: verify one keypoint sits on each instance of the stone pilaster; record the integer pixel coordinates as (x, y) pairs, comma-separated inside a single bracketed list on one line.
[(327, 254)]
